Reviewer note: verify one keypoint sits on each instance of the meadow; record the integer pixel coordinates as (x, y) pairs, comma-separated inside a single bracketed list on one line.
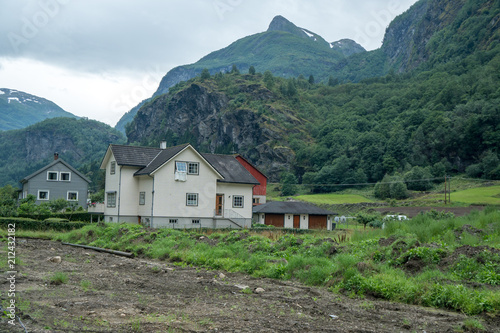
[(434, 259)]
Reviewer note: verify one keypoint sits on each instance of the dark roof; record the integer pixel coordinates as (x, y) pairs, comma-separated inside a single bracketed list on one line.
[(163, 156), (59, 160), (134, 156), (150, 159), (232, 170), (291, 207)]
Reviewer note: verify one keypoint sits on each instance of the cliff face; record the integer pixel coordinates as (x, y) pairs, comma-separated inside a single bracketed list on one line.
[(210, 120)]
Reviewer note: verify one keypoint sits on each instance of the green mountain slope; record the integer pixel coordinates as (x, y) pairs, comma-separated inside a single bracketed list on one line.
[(19, 109), (446, 120), (80, 142)]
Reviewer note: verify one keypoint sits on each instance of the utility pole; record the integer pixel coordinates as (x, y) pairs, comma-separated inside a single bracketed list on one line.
[(445, 187)]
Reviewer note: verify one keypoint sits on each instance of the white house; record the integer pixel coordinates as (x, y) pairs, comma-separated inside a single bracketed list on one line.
[(176, 187)]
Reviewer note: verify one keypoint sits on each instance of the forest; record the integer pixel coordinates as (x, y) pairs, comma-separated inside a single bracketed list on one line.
[(418, 125)]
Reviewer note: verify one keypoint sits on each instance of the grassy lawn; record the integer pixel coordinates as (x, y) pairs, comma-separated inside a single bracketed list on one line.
[(333, 198), (479, 195)]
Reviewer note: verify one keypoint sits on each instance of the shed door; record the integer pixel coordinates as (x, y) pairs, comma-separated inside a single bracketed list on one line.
[(317, 222), (296, 221), (278, 220)]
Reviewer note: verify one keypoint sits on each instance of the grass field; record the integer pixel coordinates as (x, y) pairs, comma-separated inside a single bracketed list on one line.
[(479, 195), (333, 198)]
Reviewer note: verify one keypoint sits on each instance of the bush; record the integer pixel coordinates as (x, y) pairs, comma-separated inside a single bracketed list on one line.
[(34, 225)]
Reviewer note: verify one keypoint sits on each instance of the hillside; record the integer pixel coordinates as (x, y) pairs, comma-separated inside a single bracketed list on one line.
[(80, 142), (19, 109), (446, 119), (430, 33), (284, 50)]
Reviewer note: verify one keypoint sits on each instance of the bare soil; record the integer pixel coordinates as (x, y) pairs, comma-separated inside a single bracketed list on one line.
[(109, 293)]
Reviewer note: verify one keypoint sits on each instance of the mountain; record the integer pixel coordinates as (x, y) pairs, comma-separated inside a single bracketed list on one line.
[(19, 109), (427, 100), (284, 50), (80, 142)]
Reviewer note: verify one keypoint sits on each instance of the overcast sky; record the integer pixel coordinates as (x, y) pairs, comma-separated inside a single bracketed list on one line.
[(100, 58)]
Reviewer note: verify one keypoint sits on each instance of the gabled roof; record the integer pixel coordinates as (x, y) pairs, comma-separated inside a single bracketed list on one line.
[(148, 160), (50, 165), (134, 156), (162, 157), (291, 207), (232, 170), (251, 164)]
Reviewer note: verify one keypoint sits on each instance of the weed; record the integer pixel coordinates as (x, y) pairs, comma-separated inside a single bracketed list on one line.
[(58, 278), (473, 325), (86, 285)]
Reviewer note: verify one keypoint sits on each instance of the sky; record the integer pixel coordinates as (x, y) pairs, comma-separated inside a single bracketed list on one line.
[(100, 58)]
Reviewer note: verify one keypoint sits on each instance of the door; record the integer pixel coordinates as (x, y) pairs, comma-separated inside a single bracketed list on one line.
[(278, 220), (317, 221), (296, 221), (219, 204)]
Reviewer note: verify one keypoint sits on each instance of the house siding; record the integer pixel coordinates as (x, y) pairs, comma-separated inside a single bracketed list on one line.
[(57, 189), (259, 191)]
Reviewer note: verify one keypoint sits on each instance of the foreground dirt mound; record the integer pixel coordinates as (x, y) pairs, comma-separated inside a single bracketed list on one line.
[(107, 293)]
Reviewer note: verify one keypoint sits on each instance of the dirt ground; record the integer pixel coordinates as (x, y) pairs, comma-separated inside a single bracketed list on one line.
[(413, 211), (109, 293)]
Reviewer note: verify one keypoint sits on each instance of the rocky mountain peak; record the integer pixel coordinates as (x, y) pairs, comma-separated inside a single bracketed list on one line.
[(347, 46)]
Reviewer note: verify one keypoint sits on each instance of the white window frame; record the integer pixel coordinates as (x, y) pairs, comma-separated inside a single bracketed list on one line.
[(173, 221), (61, 176), (43, 199), (142, 198), (194, 165), (112, 168), (239, 197), (192, 202), (108, 204), (52, 172), (68, 193), (195, 221)]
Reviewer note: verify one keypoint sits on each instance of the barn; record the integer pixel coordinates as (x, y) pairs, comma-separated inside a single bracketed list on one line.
[(293, 214)]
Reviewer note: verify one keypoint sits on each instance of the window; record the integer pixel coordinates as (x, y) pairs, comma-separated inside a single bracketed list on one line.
[(142, 198), (173, 221), (256, 201), (43, 195), (72, 196), (111, 199), (52, 175), (193, 168), (195, 221), (180, 167), (65, 176), (237, 201), (112, 169), (192, 199)]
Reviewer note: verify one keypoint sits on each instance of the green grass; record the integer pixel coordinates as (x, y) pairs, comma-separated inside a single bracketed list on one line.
[(480, 195), (333, 198), (357, 267)]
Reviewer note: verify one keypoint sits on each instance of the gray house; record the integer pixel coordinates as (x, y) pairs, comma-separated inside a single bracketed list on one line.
[(57, 180)]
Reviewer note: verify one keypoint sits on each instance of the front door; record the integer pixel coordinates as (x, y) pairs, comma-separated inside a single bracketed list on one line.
[(219, 204), (296, 221)]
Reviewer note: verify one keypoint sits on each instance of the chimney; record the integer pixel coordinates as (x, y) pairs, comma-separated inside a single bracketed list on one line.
[(56, 156), (163, 145)]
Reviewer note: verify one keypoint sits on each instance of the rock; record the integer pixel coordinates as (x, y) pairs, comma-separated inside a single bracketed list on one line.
[(222, 276), (241, 286), (259, 290), (56, 259)]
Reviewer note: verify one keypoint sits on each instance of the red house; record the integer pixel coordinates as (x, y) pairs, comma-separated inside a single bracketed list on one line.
[(259, 191)]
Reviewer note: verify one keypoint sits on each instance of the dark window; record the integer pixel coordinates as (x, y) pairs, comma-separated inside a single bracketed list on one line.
[(192, 199), (238, 201)]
